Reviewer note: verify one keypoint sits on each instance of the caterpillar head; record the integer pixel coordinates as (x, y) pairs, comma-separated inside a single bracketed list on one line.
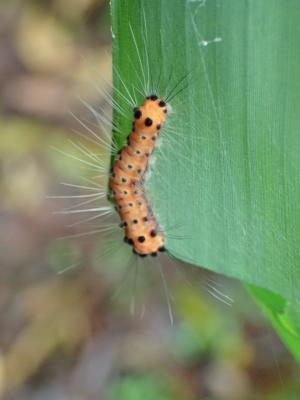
[(147, 244), (151, 115)]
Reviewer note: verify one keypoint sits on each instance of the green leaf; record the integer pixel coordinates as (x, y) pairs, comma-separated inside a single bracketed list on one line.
[(282, 316), (226, 184)]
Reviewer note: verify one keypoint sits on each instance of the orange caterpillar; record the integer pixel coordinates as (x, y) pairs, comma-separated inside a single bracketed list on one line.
[(128, 175)]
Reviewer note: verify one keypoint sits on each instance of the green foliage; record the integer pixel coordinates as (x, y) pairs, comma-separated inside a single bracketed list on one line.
[(281, 314), (230, 178), (146, 387)]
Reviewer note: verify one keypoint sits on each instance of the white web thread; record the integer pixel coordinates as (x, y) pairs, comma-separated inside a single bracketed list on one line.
[(202, 44)]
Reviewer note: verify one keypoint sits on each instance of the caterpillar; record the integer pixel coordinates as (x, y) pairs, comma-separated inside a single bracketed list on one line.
[(142, 229), (144, 99)]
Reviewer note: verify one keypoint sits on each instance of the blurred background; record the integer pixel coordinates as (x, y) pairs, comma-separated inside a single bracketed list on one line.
[(77, 322)]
